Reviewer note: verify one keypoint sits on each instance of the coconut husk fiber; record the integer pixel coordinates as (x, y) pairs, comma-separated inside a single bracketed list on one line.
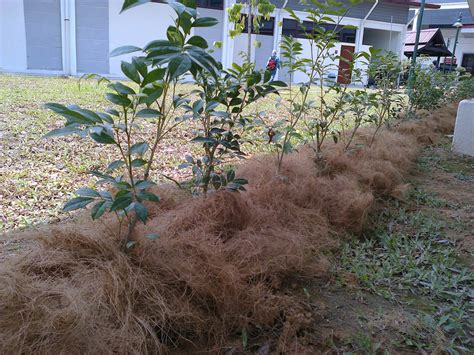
[(221, 261)]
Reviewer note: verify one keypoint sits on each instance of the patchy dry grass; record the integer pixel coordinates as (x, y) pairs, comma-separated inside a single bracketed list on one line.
[(37, 175)]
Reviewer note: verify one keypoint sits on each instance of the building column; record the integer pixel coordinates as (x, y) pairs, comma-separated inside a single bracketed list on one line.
[(68, 36), (358, 48), (359, 38), (277, 36), (277, 31), (401, 42), (227, 42)]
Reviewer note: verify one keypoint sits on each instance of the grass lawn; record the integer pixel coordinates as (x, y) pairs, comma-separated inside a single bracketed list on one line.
[(419, 257), (37, 175)]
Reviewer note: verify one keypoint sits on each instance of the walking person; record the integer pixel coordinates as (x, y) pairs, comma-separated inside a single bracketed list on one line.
[(273, 65)]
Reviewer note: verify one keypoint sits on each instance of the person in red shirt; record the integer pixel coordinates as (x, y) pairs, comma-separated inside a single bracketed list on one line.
[(273, 65)]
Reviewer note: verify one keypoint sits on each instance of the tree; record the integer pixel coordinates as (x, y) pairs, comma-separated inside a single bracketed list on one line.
[(256, 11)]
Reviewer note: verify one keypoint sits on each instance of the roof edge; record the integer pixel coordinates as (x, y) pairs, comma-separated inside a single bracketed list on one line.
[(414, 3)]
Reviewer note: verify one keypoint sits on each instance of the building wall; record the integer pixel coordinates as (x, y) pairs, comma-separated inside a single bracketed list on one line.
[(92, 36), (212, 34), (383, 12), (465, 44), (263, 52), (382, 39), (12, 36), (241, 45), (259, 55), (43, 34), (136, 26), (332, 66), (99, 28)]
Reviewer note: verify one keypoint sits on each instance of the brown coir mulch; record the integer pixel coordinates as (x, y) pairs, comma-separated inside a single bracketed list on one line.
[(220, 263)]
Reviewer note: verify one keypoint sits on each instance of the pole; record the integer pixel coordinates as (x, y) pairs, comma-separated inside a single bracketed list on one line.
[(390, 40), (419, 21), (249, 32), (454, 49)]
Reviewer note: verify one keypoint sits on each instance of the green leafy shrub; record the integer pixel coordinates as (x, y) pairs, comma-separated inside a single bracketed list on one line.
[(152, 96), (317, 106), (464, 88), (385, 68), (433, 88), (220, 111)]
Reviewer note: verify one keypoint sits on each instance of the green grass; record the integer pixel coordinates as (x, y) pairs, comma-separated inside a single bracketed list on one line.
[(38, 175), (418, 267), (435, 157)]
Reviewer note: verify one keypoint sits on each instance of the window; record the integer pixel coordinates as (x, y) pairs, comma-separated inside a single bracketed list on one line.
[(208, 4), (468, 62), (266, 26), (211, 4), (293, 28)]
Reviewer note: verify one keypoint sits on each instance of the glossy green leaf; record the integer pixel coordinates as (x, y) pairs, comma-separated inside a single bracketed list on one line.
[(154, 75), (139, 148), (205, 22), (124, 50), (87, 192), (153, 94), (64, 131), (179, 65), (130, 71), (159, 43), (102, 136), (141, 211), (198, 41), (148, 196), (128, 4), (136, 163), (121, 203), (70, 114), (115, 165), (98, 209), (118, 99), (148, 113), (122, 89), (141, 65), (144, 184), (77, 203), (178, 7), (203, 140)]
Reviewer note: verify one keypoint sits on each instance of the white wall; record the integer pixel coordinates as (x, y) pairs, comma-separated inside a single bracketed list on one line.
[(259, 55), (136, 26), (12, 36), (465, 43), (241, 45), (214, 33), (380, 39)]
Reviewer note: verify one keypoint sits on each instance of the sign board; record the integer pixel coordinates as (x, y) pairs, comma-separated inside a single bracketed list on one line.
[(447, 60)]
